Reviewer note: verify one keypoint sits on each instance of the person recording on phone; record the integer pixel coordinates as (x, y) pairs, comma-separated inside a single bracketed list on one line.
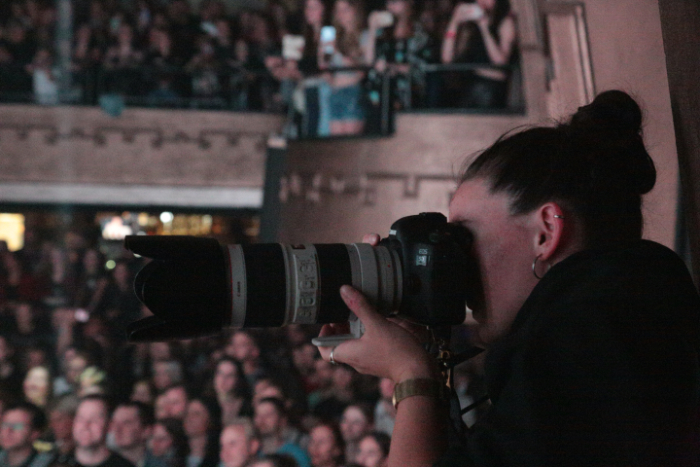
[(299, 63), (343, 45), (593, 334), (398, 44), (483, 32)]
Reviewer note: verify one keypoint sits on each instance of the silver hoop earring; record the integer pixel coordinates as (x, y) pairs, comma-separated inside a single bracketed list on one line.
[(557, 216), (534, 268)]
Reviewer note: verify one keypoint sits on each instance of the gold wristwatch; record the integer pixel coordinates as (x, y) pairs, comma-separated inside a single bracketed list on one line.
[(428, 387)]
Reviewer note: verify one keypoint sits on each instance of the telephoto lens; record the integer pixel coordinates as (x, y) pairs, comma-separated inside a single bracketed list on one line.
[(195, 286)]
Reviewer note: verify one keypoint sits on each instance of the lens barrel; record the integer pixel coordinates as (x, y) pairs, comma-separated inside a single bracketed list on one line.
[(278, 284)]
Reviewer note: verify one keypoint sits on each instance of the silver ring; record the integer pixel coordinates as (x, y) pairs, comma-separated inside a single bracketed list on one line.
[(331, 358)]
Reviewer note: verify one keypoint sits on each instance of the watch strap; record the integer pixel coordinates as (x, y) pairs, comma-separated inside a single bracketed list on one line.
[(427, 387)]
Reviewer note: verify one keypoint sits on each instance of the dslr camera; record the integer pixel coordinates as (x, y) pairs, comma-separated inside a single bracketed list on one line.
[(423, 271)]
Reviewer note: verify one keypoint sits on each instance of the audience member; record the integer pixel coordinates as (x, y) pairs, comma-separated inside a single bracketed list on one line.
[(219, 56), (374, 450), (202, 425), (239, 443), (357, 421), (244, 348), (346, 50), (131, 428), (326, 446), (271, 421), (90, 428), (74, 362), (169, 442), (166, 373), (37, 386), (175, 401), (61, 416), (21, 426), (143, 391), (481, 32), (231, 389)]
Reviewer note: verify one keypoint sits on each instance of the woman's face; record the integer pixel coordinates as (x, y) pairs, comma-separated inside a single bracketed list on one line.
[(323, 448), (345, 15), (313, 12), (36, 385), (225, 378), (370, 454), (354, 425), (504, 248), (161, 442), (196, 421)]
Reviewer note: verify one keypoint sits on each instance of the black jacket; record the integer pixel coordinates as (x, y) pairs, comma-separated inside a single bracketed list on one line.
[(601, 367)]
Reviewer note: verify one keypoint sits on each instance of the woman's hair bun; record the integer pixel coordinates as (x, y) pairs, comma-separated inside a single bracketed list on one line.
[(612, 123), (612, 110)]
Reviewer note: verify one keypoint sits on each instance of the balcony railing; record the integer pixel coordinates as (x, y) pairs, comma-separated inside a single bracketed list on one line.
[(419, 88)]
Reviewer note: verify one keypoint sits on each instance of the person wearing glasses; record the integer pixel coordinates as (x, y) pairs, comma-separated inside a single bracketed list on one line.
[(21, 426)]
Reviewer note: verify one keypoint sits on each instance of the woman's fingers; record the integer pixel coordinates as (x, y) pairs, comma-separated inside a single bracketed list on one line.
[(359, 305), (372, 239)]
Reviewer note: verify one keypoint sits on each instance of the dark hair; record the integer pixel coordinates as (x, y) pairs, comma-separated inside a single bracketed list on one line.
[(595, 166), (348, 42), (337, 436), (37, 418), (174, 428), (500, 11), (213, 410), (241, 389), (145, 412), (277, 403), (382, 439), (365, 408)]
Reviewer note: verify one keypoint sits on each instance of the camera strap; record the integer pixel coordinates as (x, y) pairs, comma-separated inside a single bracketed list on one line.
[(448, 360)]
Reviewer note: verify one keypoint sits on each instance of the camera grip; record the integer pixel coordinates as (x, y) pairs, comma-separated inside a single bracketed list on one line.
[(332, 341), (356, 331)]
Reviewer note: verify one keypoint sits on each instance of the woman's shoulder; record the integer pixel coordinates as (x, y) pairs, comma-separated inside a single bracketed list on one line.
[(624, 282)]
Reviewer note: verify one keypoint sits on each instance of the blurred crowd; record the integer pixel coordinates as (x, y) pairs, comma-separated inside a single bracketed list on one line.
[(74, 391), (332, 63)]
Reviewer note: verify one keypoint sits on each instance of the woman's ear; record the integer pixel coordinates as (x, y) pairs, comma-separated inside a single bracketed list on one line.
[(550, 230)]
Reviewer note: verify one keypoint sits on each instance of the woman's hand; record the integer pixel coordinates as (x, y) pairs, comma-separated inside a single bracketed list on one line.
[(387, 349), (390, 348), (379, 20), (467, 12)]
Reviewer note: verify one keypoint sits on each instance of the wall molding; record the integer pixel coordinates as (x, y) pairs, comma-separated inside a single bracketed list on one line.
[(130, 195)]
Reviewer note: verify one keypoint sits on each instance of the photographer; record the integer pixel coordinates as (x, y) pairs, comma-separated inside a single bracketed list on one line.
[(592, 333)]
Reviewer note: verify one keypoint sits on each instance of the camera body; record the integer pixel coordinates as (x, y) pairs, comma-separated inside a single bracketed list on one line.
[(436, 266), (422, 271)]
